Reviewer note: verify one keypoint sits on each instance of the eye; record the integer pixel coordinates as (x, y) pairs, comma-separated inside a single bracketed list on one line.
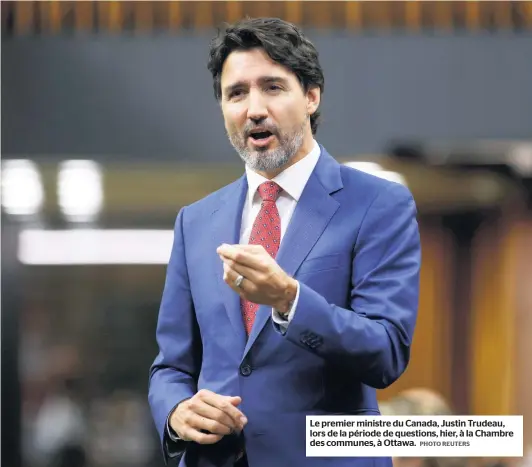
[(274, 87), (237, 93)]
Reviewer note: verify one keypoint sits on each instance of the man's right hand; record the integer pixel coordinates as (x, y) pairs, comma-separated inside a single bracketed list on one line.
[(207, 412)]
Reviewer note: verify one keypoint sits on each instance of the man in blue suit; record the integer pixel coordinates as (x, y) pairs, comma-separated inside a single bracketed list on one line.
[(292, 291)]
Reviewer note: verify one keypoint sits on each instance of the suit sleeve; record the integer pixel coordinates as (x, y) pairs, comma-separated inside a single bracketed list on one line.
[(372, 338), (174, 373)]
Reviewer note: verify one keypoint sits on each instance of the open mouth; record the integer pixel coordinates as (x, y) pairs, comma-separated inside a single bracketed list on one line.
[(260, 135)]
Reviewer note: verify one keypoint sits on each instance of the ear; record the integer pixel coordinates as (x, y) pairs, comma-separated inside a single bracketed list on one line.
[(313, 99)]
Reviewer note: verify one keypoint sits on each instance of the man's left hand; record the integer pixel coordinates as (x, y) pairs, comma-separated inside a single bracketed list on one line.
[(264, 283)]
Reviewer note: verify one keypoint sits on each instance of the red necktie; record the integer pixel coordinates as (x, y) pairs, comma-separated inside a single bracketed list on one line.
[(266, 231)]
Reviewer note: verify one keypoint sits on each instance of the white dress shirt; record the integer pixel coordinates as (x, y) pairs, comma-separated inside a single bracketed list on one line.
[(292, 181)]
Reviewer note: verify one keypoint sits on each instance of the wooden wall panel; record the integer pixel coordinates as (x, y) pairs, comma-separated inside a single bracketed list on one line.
[(523, 332), (257, 9), (501, 344), (234, 11), (430, 364), (52, 14), (413, 16), (525, 12), (444, 15), (493, 319), (24, 17), (318, 14), (54, 17), (110, 16), (143, 14), (83, 16), (353, 15), (472, 15), (294, 12), (174, 15)]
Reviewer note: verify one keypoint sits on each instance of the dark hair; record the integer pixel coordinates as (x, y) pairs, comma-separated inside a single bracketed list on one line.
[(282, 41)]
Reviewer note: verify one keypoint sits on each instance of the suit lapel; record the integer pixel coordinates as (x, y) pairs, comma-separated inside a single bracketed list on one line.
[(313, 213), (226, 223)]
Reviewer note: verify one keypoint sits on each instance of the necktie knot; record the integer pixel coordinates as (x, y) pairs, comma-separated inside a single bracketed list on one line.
[(269, 191)]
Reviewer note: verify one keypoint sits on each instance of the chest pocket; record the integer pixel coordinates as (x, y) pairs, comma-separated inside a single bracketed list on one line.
[(324, 263)]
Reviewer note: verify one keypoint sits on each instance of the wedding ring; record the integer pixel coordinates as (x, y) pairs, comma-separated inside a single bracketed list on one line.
[(239, 280)]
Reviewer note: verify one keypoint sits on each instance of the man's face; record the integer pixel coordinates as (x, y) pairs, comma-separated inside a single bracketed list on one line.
[(266, 111)]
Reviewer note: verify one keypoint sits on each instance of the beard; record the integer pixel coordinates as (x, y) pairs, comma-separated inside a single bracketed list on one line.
[(264, 159)]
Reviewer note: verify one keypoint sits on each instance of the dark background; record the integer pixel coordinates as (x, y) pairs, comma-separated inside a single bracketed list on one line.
[(151, 98)]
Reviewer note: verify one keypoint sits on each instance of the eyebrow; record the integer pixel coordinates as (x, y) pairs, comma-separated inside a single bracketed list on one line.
[(262, 80)]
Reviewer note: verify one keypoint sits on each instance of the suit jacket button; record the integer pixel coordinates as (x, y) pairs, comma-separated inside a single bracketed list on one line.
[(245, 370)]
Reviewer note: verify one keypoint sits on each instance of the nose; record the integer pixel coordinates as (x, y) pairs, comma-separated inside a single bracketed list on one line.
[(257, 108)]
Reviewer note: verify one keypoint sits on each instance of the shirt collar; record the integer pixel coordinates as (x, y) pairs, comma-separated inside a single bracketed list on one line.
[(292, 180)]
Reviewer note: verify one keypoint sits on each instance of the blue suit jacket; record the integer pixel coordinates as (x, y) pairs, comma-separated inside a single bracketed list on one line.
[(353, 245)]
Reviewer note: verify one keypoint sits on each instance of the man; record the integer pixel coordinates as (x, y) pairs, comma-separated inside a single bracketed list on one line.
[(290, 292)]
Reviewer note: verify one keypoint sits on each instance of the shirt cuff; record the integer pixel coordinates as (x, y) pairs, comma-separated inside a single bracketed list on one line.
[(280, 319), (170, 432), (173, 444)]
